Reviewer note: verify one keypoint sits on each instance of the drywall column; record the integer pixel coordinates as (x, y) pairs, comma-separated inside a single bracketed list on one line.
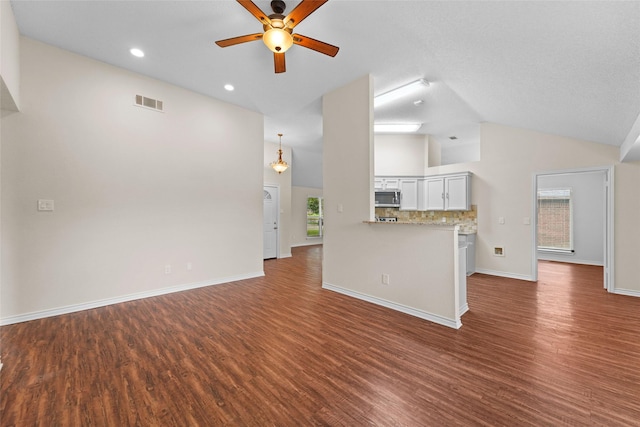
[(420, 261), (9, 59)]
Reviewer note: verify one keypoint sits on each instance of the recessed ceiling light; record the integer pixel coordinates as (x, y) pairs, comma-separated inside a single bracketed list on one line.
[(228, 87), (418, 102), (397, 128), (136, 52)]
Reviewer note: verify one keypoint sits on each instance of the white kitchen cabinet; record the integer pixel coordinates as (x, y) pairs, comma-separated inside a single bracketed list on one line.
[(386, 183), (469, 241), (463, 306), (408, 194), (446, 193)]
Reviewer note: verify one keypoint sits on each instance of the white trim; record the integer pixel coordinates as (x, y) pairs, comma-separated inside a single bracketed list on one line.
[(464, 308), (627, 292), (609, 262), (506, 274), (444, 321), (285, 255), (277, 187), (572, 261), (307, 244), (116, 300)]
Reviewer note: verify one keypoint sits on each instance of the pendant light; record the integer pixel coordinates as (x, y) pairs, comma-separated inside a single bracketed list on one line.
[(279, 165)]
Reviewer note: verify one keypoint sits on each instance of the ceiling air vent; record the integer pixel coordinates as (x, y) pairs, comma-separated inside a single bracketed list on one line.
[(153, 104)]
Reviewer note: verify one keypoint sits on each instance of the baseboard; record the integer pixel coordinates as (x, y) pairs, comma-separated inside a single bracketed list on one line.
[(464, 308), (451, 323), (297, 245), (116, 300), (571, 261), (505, 274), (285, 255), (627, 292)]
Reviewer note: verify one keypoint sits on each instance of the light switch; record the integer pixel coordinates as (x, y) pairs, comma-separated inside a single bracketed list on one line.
[(340, 208), (501, 220), (526, 220), (45, 205)]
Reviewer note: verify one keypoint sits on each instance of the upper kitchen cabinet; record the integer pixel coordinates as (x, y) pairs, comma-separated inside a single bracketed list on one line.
[(386, 183), (409, 194), (445, 192)]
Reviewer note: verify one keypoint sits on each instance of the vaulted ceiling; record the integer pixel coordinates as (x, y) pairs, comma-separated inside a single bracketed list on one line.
[(569, 68)]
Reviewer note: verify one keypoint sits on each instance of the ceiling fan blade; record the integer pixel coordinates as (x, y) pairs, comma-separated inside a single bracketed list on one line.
[(316, 45), (301, 11), (278, 61), (255, 11), (237, 40)]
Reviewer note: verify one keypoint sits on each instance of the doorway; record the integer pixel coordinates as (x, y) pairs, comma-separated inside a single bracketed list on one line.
[(604, 239), (270, 224)]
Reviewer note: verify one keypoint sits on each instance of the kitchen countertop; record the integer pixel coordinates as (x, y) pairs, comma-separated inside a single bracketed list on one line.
[(431, 224)]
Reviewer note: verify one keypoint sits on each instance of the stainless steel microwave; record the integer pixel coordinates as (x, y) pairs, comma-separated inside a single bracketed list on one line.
[(387, 198)]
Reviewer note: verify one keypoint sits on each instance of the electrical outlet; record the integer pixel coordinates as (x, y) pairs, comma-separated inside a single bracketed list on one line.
[(385, 279), (189, 266), (498, 251), (167, 269)]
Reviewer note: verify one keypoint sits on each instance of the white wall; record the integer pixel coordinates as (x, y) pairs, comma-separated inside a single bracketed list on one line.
[(299, 197), (460, 152), (401, 154), (502, 187), (9, 59), (587, 197), (307, 168), (422, 261), (134, 189), (283, 182)]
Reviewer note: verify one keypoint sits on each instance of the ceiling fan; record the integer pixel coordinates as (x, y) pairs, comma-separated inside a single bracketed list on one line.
[(278, 30)]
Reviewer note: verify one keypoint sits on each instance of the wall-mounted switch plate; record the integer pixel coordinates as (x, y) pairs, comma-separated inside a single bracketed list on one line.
[(45, 205)]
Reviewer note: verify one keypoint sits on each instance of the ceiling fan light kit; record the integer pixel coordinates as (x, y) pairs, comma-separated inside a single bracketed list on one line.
[(278, 30), (277, 40), (400, 92)]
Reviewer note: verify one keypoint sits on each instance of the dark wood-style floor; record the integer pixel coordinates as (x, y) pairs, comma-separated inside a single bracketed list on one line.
[(282, 351)]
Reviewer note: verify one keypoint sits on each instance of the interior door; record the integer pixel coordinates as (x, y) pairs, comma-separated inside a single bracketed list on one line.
[(270, 222)]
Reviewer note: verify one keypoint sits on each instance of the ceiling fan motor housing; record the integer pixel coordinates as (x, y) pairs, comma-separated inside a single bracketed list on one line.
[(278, 6)]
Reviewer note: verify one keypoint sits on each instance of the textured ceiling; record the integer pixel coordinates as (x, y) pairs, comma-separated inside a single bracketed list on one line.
[(568, 68)]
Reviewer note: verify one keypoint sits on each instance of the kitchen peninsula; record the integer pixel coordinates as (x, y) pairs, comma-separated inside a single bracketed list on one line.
[(459, 258)]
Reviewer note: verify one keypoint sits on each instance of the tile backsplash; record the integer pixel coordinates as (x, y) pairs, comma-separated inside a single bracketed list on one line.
[(467, 220)]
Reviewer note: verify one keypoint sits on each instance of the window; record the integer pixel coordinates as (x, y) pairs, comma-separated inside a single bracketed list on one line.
[(555, 229), (314, 217)]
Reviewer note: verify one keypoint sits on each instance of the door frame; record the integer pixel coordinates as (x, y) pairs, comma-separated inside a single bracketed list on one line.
[(277, 193), (609, 263)]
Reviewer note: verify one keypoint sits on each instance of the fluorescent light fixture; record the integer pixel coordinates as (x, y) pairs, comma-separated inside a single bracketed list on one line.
[(228, 87), (400, 92), (397, 128), (136, 52)]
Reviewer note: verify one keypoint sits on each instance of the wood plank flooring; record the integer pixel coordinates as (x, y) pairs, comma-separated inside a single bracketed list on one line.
[(281, 351)]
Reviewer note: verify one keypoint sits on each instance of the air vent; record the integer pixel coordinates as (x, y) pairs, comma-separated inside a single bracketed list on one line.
[(153, 104)]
